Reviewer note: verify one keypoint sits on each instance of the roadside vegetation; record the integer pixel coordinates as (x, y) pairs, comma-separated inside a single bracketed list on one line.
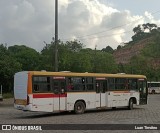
[(73, 56)]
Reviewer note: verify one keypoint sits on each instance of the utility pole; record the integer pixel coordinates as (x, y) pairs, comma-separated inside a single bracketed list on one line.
[(95, 65), (56, 35)]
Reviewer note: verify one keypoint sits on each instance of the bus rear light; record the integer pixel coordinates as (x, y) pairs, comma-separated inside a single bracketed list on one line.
[(27, 99)]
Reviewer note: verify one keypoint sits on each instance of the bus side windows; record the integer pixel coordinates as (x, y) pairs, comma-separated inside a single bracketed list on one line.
[(118, 84), (55, 87), (79, 84), (132, 84), (121, 84), (41, 84), (89, 84), (111, 84), (70, 86), (36, 87), (48, 87)]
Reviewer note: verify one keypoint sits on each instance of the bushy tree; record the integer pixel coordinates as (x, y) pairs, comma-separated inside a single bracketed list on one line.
[(27, 57), (8, 67), (108, 49)]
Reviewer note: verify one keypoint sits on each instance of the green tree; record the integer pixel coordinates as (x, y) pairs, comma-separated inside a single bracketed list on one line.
[(27, 57), (105, 63), (119, 47), (83, 61), (137, 30), (47, 58), (65, 55), (149, 27), (107, 49), (74, 46), (8, 67), (139, 65), (140, 31)]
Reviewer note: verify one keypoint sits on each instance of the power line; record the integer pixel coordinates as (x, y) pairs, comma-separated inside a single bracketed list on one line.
[(106, 35), (116, 27)]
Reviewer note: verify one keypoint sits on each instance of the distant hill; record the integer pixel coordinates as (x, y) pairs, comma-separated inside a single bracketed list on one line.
[(124, 54), (145, 44)]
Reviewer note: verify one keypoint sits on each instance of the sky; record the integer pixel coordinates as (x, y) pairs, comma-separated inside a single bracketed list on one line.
[(95, 23)]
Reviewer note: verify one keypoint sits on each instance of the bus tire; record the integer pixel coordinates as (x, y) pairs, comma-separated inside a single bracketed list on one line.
[(130, 106), (79, 107), (153, 92)]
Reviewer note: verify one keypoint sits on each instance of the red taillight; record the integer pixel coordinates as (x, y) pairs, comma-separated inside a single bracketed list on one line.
[(27, 99)]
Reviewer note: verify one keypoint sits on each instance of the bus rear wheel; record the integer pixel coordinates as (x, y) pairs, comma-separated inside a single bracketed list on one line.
[(153, 92), (79, 107), (130, 106)]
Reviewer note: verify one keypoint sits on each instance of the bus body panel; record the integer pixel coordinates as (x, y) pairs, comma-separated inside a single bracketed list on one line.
[(49, 102), (23, 106), (20, 87), (121, 98), (42, 102), (73, 97), (59, 103), (101, 100)]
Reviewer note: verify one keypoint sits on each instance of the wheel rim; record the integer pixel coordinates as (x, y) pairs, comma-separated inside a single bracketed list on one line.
[(131, 104), (79, 108)]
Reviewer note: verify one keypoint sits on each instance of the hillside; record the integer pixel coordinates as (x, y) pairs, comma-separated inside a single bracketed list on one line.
[(141, 55)]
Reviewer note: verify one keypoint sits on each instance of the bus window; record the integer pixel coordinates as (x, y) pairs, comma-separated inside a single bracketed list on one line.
[(89, 84), (121, 84), (56, 86), (41, 84), (104, 86), (78, 84), (141, 86), (63, 85), (144, 87), (111, 84), (101, 86), (132, 84), (70, 84)]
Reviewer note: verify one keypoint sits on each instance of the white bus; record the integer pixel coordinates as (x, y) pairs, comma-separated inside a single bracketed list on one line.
[(154, 87), (67, 91)]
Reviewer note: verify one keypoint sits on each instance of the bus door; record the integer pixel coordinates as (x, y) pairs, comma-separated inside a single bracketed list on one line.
[(59, 100), (142, 86), (100, 93)]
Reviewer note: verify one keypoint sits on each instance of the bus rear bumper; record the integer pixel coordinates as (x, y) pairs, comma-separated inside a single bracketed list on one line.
[(22, 107)]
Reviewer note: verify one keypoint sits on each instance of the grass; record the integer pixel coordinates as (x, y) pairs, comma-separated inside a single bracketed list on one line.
[(7, 95)]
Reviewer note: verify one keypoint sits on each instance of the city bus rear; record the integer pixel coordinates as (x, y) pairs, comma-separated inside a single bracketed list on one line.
[(21, 98)]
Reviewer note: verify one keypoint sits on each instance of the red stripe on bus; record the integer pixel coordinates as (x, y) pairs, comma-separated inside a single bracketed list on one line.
[(121, 91), (49, 95)]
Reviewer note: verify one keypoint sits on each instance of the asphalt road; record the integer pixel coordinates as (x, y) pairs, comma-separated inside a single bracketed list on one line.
[(146, 114)]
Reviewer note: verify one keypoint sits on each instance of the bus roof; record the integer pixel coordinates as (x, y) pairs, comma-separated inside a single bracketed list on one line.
[(153, 82), (74, 74)]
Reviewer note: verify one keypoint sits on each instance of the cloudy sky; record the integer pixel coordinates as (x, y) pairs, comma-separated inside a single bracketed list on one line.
[(94, 22)]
